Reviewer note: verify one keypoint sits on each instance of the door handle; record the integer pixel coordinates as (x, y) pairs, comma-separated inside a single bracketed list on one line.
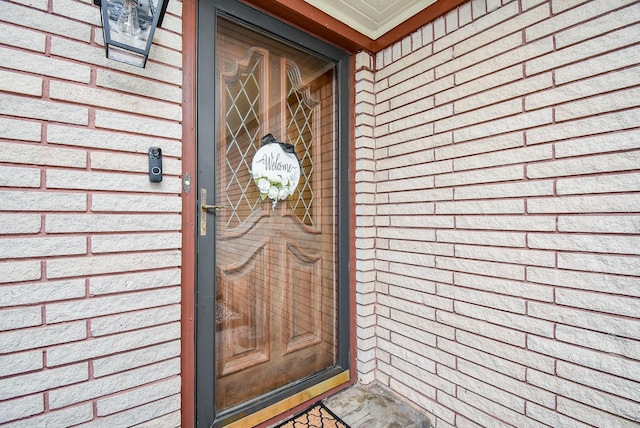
[(206, 207)]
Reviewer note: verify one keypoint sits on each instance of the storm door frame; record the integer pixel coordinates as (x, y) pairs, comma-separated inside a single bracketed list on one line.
[(208, 100)]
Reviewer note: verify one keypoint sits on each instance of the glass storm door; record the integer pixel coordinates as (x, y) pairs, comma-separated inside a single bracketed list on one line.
[(268, 267)]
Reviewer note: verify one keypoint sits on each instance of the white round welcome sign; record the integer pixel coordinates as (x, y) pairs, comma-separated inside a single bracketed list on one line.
[(275, 172)]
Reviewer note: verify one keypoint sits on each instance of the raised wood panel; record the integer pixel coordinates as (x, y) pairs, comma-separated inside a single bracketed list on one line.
[(303, 313), (242, 314)]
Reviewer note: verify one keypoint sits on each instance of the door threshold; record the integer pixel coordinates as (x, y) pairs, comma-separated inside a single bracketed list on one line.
[(290, 402)]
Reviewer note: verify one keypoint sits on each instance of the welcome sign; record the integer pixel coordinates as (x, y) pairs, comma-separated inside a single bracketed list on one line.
[(275, 172)]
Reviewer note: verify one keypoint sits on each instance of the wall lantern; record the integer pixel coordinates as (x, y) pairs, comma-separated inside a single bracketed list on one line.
[(128, 27)]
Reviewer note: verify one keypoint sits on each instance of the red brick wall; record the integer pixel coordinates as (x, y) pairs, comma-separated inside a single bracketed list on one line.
[(498, 217)]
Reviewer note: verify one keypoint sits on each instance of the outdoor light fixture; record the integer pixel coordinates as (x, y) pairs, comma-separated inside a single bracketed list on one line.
[(128, 27)]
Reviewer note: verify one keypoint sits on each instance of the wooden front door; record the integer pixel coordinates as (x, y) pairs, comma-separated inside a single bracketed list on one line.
[(268, 260)]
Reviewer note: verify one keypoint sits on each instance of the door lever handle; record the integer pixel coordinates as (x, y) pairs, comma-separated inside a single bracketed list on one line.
[(206, 207)]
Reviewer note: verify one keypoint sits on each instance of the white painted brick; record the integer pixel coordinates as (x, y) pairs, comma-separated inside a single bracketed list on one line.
[(22, 38), (423, 376), (590, 243), (411, 90), (518, 88), (481, 207), (584, 127), (624, 265), (489, 361), (610, 403), (135, 242), (14, 248), (43, 380), (507, 383), (507, 222), (136, 124), (138, 396), (506, 190), (11, 319), (42, 65), (422, 247), (508, 352), (170, 420), (137, 415), (506, 255), (591, 415), (21, 407), (414, 383), (134, 320), (136, 85), (600, 64), (599, 224), (65, 417), (20, 83), (429, 196), (405, 354), (504, 413), (412, 158), (580, 318), (491, 300), (78, 223), (462, 323), (500, 270), (94, 54), (507, 173), (598, 144), (585, 204), (507, 59), (588, 48), (100, 347), (99, 264), (82, 94), (413, 308), (598, 105), (14, 271), (19, 177), (480, 146), (98, 306), (41, 155), (504, 125), (575, 16), (137, 358), (583, 88), (13, 129), (20, 363), (88, 180), (83, 137), (105, 202), (111, 384), (585, 281), (551, 417), (79, 12), (518, 322), (26, 294), (502, 286), (37, 4), (462, 409), (427, 325), (490, 50), (599, 184), (38, 337), (19, 106), (599, 302), (602, 381), (484, 30), (561, 6), (44, 21), (482, 84), (484, 114)]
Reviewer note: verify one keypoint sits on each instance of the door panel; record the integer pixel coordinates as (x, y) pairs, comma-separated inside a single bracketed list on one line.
[(272, 284), (275, 261)]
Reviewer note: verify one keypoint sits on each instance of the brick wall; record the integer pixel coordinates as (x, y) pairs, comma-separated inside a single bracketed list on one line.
[(89, 248), (498, 215)]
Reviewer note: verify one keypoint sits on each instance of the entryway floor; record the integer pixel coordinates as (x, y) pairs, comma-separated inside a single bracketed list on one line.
[(373, 406)]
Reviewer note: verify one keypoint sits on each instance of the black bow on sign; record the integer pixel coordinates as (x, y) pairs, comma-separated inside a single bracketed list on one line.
[(286, 147)]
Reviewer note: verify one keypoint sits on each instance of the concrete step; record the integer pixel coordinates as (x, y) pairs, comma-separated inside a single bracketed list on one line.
[(374, 406)]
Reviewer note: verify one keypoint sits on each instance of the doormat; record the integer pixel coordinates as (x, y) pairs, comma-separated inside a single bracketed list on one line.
[(316, 416)]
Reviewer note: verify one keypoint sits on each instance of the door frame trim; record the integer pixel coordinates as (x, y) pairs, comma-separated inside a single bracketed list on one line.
[(189, 215)]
